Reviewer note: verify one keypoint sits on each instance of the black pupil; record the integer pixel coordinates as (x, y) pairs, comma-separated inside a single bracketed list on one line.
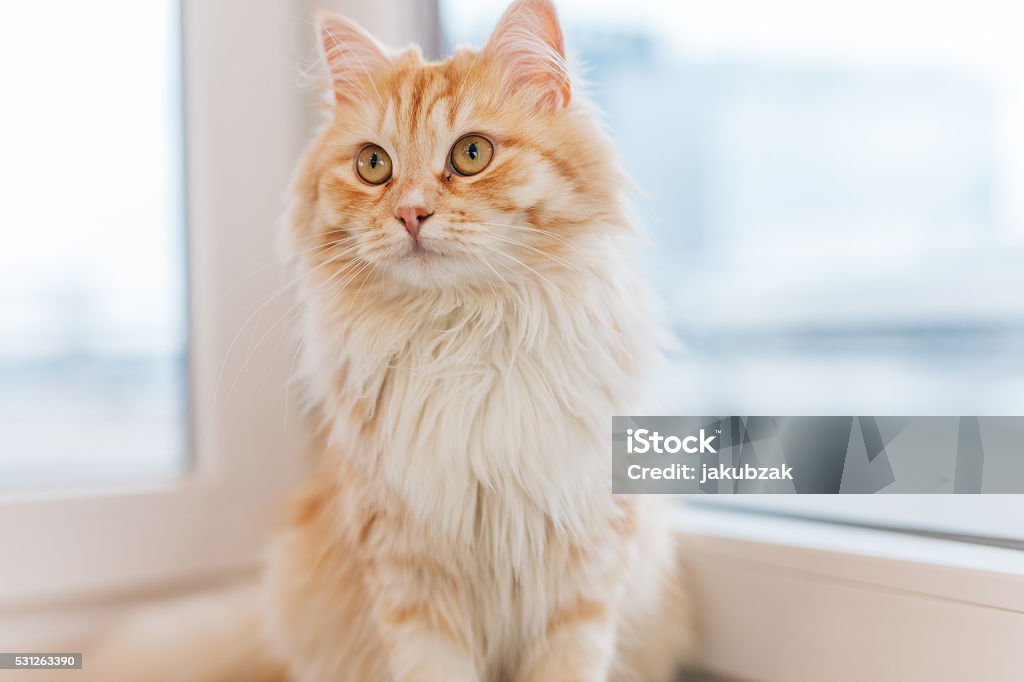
[(472, 151), (373, 160)]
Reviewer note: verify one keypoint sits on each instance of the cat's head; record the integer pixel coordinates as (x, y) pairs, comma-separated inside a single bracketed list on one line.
[(477, 171)]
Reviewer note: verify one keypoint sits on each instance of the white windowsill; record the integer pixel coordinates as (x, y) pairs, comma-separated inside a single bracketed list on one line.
[(785, 600), (824, 536)]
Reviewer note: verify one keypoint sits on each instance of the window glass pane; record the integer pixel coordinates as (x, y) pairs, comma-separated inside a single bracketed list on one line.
[(92, 243), (835, 191)]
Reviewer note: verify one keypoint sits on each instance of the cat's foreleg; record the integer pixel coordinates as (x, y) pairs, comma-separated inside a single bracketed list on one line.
[(577, 646), (423, 617)]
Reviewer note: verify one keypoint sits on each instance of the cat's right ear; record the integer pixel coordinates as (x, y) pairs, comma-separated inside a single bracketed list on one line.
[(351, 54)]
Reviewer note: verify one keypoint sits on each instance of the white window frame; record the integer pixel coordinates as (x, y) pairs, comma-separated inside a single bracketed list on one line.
[(989, 519)]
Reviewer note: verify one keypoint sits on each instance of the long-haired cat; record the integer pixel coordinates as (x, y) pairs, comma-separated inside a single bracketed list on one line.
[(471, 323)]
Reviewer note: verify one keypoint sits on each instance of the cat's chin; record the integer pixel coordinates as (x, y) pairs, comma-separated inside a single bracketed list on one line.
[(424, 268)]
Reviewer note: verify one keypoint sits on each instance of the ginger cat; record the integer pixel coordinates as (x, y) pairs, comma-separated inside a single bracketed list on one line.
[(470, 325)]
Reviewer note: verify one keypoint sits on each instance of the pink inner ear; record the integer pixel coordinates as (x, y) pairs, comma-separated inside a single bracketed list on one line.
[(528, 41), (350, 53)]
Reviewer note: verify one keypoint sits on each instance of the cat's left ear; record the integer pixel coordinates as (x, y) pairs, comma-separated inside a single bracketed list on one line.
[(528, 45)]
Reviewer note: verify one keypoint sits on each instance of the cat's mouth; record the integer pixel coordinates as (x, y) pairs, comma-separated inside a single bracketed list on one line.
[(420, 252), (431, 263)]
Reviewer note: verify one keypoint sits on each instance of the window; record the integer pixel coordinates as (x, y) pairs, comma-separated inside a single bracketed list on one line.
[(834, 192), (92, 245), (834, 195), (118, 456)]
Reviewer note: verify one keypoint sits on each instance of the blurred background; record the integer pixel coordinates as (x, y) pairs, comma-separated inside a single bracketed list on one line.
[(833, 191)]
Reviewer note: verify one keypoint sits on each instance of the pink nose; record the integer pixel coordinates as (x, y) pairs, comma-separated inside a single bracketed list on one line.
[(413, 217)]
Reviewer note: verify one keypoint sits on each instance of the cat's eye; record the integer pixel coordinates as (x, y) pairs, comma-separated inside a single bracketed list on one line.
[(373, 164), (471, 154)]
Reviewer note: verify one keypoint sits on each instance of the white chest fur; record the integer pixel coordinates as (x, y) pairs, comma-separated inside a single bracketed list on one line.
[(505, 396)]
